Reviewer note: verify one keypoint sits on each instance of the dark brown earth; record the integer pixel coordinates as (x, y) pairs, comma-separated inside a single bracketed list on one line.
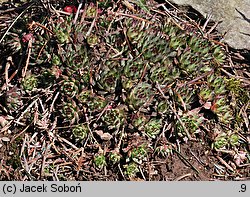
[(195, 162)]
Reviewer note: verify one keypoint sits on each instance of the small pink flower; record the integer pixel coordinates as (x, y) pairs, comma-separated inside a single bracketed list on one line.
[(70, 9), (27, 37)]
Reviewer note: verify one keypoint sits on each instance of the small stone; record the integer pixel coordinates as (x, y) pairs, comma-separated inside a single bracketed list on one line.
[(233, 16)]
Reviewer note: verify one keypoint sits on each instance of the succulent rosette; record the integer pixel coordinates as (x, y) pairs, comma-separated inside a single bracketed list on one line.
[(80, 131), (70, 112), (29, 83), (107, 80), (141, 95), (113, 118), (70, 88)]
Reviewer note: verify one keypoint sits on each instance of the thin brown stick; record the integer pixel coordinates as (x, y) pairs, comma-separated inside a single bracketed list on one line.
[(28, 58), (26, 110), (7, 70), (212, 28), (19, 134), (119, 167), (225, 163), (177, 116), (40, 52), (53, 102), (42, 26), (66, 141), (187, 162), (92, 24), (132, 16), (43, 160), (169, 15), (88, 124), (143, 176)]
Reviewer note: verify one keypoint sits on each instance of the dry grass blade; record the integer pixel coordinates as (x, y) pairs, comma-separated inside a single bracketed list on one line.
[(19, 16), (183, 177)]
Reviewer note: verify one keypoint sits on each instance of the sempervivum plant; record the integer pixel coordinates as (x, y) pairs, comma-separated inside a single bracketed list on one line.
[(222, 109), (190, 121), (162, 108), (92, 40), (164, 74), (220, 141), (84, 96), (218, 55), (80, 131), (140, 96), (150, 127), (47, 78), (218, 84), (114, 156), (107, 80), (13, 99), (139, 120), (185, 96), (70, 112), (100, 161), (62, 29), (114, 118), (75, 57), (153, 128), (69, 87), (195, 55), (138, 154), (215, 92), (93, 102), (29, 83), (225, 140), (132, 72), (205, 94), (91, 10), (164, 150), (131, 169)]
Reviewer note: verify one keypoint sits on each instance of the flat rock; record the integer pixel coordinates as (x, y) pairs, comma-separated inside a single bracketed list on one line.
[(234, 16)]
